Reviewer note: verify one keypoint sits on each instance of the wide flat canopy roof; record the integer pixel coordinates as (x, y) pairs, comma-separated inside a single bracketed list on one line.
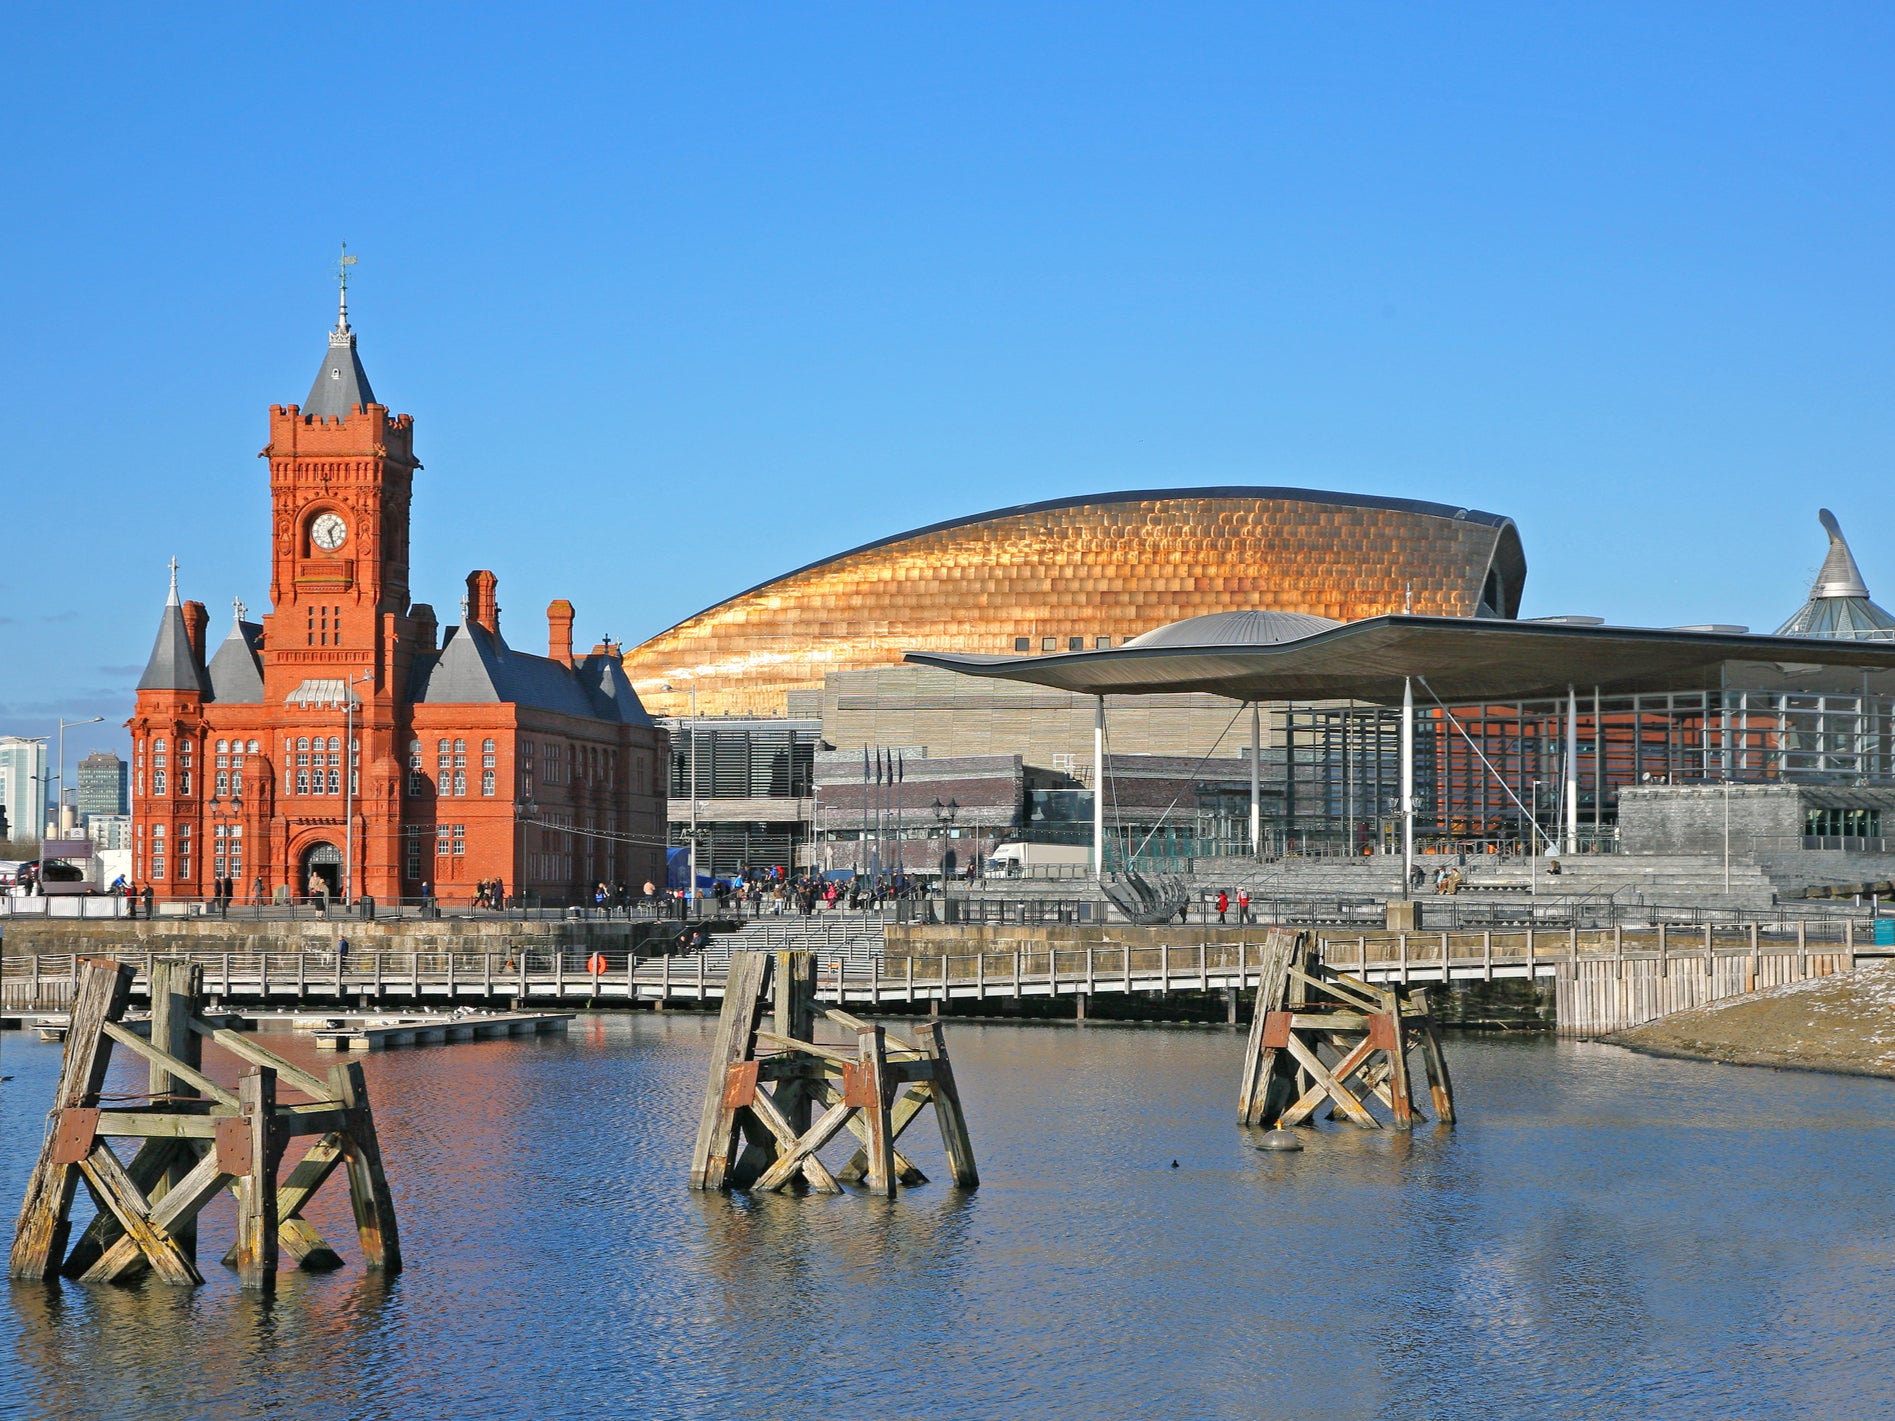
[(1463, 659)]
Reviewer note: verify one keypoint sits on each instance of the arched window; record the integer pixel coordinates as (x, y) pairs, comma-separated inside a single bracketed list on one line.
[(486, 783), (302, 742), (414, 771), (223, 747), (335, 742), (158, 745), (253, 747), (487, 753)]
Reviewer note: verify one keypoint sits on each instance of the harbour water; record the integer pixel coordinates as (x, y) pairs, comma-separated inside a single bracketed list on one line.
[(1605, 1235)]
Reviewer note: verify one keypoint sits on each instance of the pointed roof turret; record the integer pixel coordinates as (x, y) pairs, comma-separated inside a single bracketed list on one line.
[(1839, 604), (236, 672), (172, 666), (342, 382)]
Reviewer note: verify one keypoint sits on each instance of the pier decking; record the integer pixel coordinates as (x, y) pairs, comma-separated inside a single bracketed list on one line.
[(1607, 978), (365, 1037)]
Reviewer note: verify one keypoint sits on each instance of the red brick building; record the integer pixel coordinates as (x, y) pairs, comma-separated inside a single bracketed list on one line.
[(471, 760)]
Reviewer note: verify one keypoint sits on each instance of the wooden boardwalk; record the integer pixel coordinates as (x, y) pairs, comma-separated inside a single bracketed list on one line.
[(1589, 965)]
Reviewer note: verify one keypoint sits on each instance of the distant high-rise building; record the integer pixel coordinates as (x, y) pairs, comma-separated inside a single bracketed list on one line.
[(23, 785), (103, 784), (109, 831)]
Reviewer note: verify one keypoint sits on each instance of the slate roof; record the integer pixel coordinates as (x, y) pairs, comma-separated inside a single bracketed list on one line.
[(475, 666), (236, 673), (342, 381), (172, 667)]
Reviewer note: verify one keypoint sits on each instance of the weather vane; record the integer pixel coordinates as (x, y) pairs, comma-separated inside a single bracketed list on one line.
[(343, 264)]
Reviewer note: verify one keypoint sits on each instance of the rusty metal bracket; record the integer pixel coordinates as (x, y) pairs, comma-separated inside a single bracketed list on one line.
[(74, 1134), (233, 1147), (1276, 1028), (1382, 1033), (740, 1085), (858, 1085)]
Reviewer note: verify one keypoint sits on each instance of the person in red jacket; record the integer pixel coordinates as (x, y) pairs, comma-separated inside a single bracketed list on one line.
[(1223, 904)]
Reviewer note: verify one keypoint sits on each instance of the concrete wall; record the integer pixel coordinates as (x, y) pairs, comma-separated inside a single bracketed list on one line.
[(1689, 819), (104, 937)]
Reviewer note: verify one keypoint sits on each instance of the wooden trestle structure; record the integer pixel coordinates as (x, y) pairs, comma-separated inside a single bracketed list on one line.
[(196, 1139), (1369, 1031), (759, 1128)]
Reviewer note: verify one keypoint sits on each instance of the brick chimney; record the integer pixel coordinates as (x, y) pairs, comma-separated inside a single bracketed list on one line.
[(426, 627), (482, 609), (195, 620), (559, 631)]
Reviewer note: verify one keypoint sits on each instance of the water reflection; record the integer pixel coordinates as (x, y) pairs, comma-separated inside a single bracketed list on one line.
[(1603, 1236)]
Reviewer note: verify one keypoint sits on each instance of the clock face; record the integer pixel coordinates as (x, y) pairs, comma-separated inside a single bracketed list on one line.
[(327, 532)]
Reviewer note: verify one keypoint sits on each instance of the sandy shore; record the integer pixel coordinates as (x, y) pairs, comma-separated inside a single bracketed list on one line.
[(1844, 1023)]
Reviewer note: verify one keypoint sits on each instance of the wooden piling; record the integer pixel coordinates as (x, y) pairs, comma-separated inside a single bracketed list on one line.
[(1305, 1008), (197, 1140), (765, 1085)]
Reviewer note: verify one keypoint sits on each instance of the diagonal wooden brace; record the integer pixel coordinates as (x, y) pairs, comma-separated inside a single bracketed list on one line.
[(790, 1162), (906, 1110), (1350, 1106)]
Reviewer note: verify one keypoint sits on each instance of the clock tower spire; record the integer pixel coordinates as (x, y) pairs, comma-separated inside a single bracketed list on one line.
[(341, 483)]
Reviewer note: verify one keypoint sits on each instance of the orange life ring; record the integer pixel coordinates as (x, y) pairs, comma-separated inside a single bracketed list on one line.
[(595, 964)]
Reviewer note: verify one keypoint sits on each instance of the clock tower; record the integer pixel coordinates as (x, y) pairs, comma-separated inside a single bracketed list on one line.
[(347, 746), (341, 484)]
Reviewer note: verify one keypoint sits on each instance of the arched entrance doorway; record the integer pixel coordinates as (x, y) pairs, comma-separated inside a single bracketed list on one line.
[(322, 863)]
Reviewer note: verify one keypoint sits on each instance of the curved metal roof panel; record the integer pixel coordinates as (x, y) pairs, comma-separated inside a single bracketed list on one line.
[(1461, 658)]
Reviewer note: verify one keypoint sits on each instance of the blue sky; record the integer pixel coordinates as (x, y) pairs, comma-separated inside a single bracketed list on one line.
[(681, 297)]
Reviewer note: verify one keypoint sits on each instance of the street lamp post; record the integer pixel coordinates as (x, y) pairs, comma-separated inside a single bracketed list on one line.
[(221, 818), (59, 771), (348, 786), (944, 816)]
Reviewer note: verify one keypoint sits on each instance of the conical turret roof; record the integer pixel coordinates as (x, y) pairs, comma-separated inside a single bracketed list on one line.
[(342, 383), (172, 667), (1839, 604)]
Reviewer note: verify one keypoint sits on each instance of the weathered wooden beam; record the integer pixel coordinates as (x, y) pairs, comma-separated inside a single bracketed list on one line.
[(1352, 1061), (717, 1131), (45, 1221), (117, 1122), (187, 1197), (872, 1089), (369, 1196), (815, 1172), (946, 1095), (1352, 1108), (820, 1133), (247, 1149), (1255, 1091), (900, 1116), (114, 1190), (1435, 1061), (1401, 1100), (164, 1063), (153, 1162), (833, 1054), (893, 1042), (243, 1047), (796, 1017), (176, 993)]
